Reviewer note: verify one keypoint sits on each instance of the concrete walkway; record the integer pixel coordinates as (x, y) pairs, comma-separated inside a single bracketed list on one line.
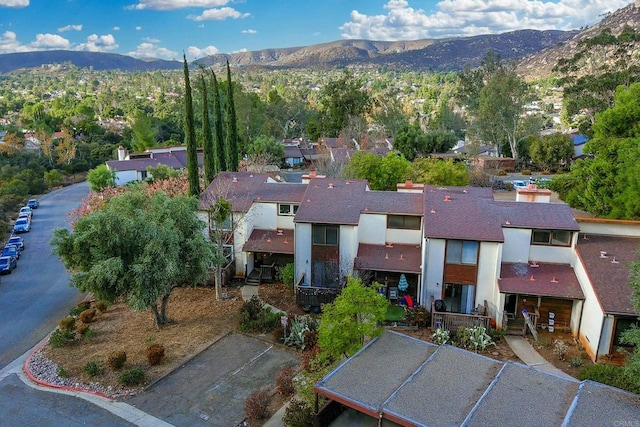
[(529, 356)]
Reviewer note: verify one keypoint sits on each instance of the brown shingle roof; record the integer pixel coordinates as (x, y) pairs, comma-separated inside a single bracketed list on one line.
[(609, 278), (276, 241), (236, 187), (400, 258), (549, 280), (332, 201), (467, 213), (392, 202), (548, 216)]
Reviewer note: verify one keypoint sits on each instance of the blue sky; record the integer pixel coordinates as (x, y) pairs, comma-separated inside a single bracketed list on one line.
[(166, 28)]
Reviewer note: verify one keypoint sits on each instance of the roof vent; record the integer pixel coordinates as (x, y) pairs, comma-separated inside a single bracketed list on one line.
[(532, 278), (286, 241), (603, 254), (554, 280), (235, 179), (269, 239), (534, 264), (279, 232), (401, 257), (386, 256), (330, 185), (389, 245), (447, 198), (507, 222), (308, 200), (433, 211), (615, 261)]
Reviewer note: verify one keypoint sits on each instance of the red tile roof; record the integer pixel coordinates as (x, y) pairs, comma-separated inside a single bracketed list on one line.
[(609, 273), (549, 280), (276, 241), (399, 258)]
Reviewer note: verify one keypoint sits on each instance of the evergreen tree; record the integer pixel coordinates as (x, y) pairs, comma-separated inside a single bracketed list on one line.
[(232, 129), (210, 170), (192, 150), (221, 157)]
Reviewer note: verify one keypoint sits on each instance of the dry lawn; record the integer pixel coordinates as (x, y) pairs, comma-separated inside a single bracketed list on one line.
[(198, 320)]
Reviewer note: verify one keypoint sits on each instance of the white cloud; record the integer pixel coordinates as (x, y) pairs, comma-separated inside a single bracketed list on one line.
[(195, 52), (150, 50), (175, 4), (249, 31), (14, 3), (116, 28), (219, 14), (151, 40), (50, 41), (76, 27), (138, 28), (9, 43), (96, 43), (473, 17)]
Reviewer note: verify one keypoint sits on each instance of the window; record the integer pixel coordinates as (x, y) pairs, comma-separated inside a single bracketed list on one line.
[(287, 209), (548, 237), (462, 252), (224, 226), (325, 235), (405, 222)]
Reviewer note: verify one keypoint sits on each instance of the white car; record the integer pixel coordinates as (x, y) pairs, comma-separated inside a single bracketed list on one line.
[(22, 225), (518, 184)]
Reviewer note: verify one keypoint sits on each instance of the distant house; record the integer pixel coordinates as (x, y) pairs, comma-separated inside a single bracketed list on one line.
[(133, 166), (578, 144), (293, 156)]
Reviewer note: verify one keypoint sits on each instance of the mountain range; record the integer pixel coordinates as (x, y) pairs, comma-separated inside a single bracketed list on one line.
[(535, 52)]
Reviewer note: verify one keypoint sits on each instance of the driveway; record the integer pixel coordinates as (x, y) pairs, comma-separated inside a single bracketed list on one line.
[(211, 389)]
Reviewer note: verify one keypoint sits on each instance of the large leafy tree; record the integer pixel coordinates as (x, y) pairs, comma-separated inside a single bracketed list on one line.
[(138, 247), (101, 177), (341, 101), (551, 151), (632, 336), (192, 149), (144, 135), (439, 172), (382, 172), (494, 96), (606, 184), (354, 317), (267, 147)]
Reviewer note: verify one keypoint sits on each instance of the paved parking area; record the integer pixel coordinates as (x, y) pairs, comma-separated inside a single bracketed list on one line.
[(211, 388)]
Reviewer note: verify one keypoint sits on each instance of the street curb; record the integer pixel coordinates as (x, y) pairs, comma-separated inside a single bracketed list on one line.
[(33, 379)]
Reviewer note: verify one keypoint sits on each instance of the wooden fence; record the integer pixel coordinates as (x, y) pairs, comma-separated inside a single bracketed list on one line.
[(452, 321)]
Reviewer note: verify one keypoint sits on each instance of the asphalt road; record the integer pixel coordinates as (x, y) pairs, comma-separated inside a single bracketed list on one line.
[(37, 294)]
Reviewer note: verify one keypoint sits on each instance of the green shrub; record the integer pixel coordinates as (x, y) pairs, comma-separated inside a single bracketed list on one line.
[(545, 342), (479, 339), (117, 359), (299, 326), (67, 323), (63, 373), (131, 377), (440, 336), (575, 361), (89, 333), (101, 306), (284, 381), (298, 414), (612, 375), (92, 369), (254, 317), (60, 338), (75, 311), (256, 405), (87, 315), (155, 354), (287, 275)]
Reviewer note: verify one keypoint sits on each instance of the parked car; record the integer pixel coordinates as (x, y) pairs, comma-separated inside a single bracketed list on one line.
[(33, 203), (7, 264), (26, 210), (24, 215), (11, 250), (17, 241), (22, 225), (518, 184)]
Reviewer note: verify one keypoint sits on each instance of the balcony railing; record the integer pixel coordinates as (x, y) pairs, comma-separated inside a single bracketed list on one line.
[(452, 321)]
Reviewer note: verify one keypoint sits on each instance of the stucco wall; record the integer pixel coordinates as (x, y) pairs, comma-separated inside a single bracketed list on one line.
[(303, 251)]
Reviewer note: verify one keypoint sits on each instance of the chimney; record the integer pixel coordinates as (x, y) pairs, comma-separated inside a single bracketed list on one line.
[(409, 187), (122, 153)]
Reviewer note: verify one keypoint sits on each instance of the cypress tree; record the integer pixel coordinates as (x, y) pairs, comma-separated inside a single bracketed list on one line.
[(221, 156), (232, 129), (192, 150), (209, 153)]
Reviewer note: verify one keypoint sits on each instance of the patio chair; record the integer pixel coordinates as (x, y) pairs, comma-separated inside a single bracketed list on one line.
[(393, 294)]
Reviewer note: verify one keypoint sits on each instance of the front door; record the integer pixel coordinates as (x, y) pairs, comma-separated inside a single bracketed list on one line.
[(459, 298)]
